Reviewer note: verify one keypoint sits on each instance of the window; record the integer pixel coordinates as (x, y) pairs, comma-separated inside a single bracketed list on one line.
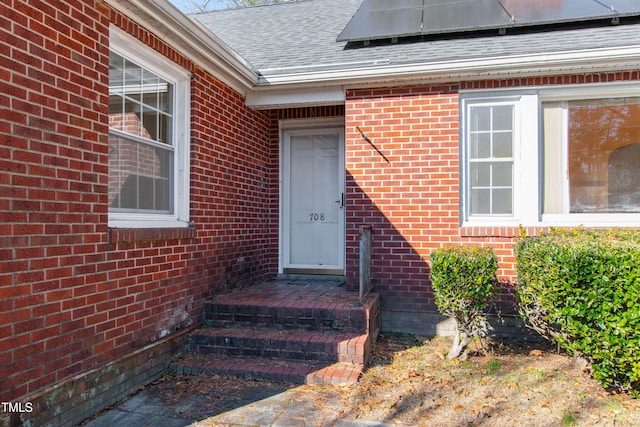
[(491, 159), (566, 156), (148, 137), (602, 160)]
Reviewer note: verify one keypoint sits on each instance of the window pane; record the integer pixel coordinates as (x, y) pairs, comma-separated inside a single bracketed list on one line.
[(150, 99), (140, 176), (116, 73), (503, 144), (165, 97), (123, 170), (480, 202), (604, 155), (163, 180), (132, 80), (480, 145), (503, 117), (149, 85), (116, 106), (164, 128), (130, 118), (150, 123), (480, 175), (146, 110), (502, 202), (480, 119), (114, 172), (502, 174)]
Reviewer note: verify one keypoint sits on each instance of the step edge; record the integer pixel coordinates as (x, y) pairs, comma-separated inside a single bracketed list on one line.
[(300, 373)]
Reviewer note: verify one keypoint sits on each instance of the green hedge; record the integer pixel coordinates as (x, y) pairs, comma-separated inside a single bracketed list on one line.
[(581, 289), (464, 281)]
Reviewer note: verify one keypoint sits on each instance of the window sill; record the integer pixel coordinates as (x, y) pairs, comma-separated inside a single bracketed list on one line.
[(506, 232), (593, 220), (119, 235), (510, 232)]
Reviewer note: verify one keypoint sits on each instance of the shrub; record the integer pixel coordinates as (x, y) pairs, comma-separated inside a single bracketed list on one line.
[(581, 289), (464, 281)]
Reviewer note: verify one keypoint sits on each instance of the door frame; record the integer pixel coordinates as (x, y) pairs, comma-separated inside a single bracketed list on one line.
[(308, 125)]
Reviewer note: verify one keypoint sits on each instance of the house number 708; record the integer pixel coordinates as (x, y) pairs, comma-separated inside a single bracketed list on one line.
[(316, 217)]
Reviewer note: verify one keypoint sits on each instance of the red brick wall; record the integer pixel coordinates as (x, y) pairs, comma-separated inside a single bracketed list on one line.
[(53, 181), (410, 192), (75, 295)]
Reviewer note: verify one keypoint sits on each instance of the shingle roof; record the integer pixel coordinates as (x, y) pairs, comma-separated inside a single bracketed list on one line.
[(300, 36), (284, 35)]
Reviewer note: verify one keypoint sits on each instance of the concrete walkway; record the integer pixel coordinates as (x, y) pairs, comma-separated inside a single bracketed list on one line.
[(257, 404)]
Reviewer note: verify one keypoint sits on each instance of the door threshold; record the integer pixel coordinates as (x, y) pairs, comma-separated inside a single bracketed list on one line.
[(314, 279), (314, 271)]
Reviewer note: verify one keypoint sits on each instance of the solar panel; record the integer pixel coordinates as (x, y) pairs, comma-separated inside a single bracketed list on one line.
[(376, 17), (464, 15), (400, 22), (384, 19), (527, 12), (625, 7)]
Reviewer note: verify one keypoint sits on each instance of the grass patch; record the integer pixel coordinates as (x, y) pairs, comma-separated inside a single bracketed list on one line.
[(568, 419), (492, 366)]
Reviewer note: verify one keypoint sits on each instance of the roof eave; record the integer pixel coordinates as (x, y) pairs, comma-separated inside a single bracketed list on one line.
[(191, 39), (544, 64)]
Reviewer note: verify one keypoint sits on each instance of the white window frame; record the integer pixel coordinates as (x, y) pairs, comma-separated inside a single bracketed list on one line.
[(524, 159), (528, 160), (135, 51)]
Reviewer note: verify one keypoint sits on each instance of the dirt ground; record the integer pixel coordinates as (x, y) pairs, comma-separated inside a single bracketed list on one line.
[(411, 383)]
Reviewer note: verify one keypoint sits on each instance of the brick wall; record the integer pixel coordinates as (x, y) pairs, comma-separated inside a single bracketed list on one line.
[(53, 207), (76, 296), (409, 192), (79, 398)]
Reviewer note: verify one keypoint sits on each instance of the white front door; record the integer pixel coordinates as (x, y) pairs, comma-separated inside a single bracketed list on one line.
[(313, 237)]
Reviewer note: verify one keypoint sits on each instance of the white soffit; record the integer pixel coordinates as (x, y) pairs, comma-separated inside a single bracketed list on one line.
[(285, 98)]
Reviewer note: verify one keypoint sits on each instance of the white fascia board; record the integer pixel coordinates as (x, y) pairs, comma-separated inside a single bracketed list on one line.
[(192, 40), (284, 98), (583, 61)]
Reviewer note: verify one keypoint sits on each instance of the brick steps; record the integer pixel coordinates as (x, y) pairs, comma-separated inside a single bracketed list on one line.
[(325, 313), (280, 331), (325, 346), (268, 369)]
